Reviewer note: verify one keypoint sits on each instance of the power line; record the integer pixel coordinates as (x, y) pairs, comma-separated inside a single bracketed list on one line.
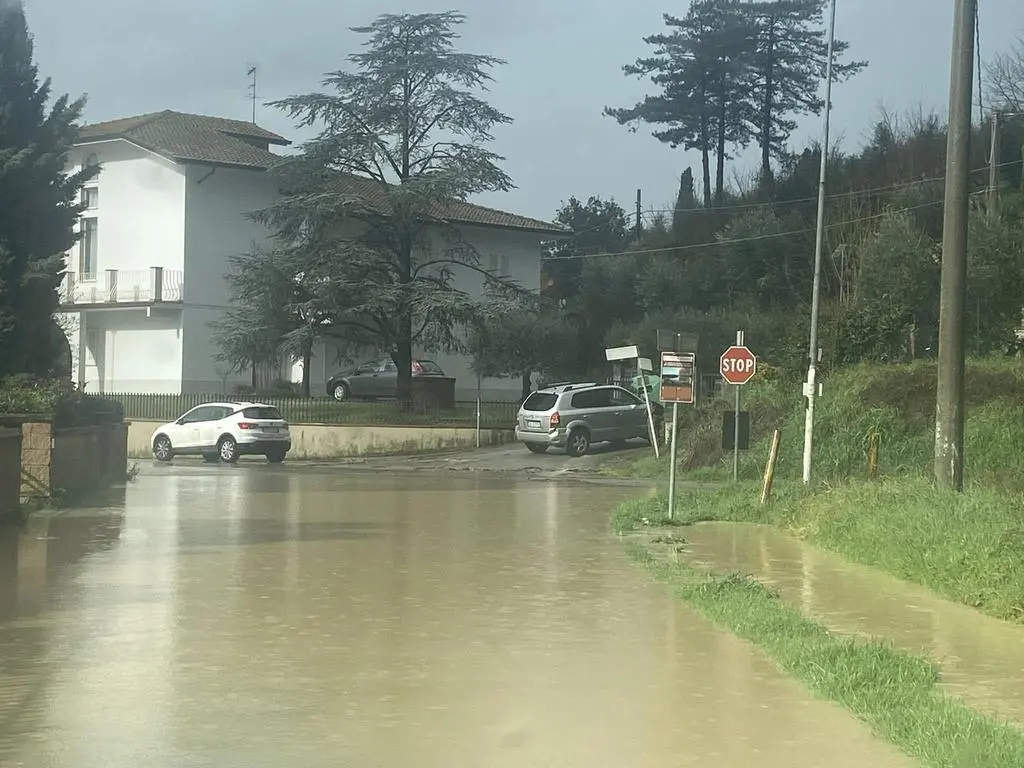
[(897, 186), (741, 240)]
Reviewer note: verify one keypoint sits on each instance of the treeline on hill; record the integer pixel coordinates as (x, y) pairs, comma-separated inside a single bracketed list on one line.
[(742, 259)]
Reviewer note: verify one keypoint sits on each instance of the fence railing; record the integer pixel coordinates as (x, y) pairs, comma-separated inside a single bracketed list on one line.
[(300, 410), (153, 285)]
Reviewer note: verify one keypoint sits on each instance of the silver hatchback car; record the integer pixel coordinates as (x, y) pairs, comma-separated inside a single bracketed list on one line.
[(574, 416)]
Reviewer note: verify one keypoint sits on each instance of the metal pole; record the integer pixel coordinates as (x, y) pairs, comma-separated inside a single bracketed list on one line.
[(736, 424), (478, 398), (993, 169), (949, 407), (672, 465), (639, 220), (650, 414), (811, 385)]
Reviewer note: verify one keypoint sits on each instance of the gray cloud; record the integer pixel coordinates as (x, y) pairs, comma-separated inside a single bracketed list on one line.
[(565, 62)]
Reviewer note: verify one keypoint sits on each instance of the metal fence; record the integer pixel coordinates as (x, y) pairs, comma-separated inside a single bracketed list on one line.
[(302, 410)]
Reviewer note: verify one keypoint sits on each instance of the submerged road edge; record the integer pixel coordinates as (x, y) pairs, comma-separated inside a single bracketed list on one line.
[(895, 693)]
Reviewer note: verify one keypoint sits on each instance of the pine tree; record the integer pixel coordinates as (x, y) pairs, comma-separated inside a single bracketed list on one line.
[(701, 66), (38, 209), (788, 65), (403, 134)]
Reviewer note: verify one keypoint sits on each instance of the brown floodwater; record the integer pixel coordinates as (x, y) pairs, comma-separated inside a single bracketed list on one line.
[(285, 616), (981, 659)]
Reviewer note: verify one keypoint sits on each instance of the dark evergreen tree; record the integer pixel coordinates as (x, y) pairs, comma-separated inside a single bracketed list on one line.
[(403, 135), (38, 202), (787, 67), (699, 66)]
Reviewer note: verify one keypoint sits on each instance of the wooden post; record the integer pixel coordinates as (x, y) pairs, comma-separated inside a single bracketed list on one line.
[(873, 440), (769, 470)]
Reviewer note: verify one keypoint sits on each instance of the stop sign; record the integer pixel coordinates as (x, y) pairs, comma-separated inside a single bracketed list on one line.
[(738, 365)]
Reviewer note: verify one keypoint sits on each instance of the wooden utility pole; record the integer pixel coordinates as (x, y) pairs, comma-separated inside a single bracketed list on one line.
[(949, 408)]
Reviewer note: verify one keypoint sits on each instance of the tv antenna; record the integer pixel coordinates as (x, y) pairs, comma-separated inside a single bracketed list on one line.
[(251, 72)]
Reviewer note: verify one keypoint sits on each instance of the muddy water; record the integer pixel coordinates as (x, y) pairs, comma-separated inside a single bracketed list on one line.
[(256, 616), (981, 659)]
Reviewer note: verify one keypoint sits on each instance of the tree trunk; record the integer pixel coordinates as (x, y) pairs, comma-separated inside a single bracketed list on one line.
[(720, 170), (254, 378), (402, 353), (705, 145), (767, 109), (307, 365), (527, 384)]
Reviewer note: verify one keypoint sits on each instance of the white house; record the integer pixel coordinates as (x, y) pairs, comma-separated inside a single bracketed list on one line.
[(167, 210)]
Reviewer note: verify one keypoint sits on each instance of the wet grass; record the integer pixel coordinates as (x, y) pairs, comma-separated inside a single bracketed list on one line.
[(966, 547), (895, 693), (896, 404)]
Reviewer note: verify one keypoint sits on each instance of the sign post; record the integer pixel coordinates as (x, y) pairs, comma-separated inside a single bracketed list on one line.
[(737, 366), (632, 353), (678, 372)]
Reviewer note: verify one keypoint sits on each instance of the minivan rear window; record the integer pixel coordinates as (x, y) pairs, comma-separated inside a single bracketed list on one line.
[(540, 401), (262, 413), (427, 366)]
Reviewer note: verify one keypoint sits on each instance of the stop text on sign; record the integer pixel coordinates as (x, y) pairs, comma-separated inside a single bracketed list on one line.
[(734, 365), (738, 365)]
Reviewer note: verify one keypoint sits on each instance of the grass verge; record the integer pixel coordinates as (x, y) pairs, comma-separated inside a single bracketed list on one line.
[(895, 693), (894, 404)]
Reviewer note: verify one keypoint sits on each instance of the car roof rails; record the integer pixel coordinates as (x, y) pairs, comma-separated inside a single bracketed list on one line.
[(571, 385)]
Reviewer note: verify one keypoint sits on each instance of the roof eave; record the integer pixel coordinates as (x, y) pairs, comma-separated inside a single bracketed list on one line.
[(220, 164), (511, 227)]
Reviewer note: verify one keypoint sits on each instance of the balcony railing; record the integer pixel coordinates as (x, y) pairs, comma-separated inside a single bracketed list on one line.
[(155, 285)]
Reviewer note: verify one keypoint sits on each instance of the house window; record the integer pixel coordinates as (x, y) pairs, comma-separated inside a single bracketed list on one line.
[(91, 161), (91, 198), (87, 248)]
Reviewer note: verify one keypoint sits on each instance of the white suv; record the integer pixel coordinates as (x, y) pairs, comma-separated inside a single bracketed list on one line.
[(224, 432)]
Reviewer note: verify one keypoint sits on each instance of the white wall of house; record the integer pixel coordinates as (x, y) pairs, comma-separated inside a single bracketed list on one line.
[(141, 211), (216, 227), (126, 350), (139, 225)]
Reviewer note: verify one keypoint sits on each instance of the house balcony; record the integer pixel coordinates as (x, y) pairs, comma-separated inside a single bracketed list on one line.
[(155, 285)]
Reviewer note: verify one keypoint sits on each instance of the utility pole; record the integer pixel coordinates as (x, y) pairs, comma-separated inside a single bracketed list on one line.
[(811, 385), (639, 222), (993, 167), (949, 407)]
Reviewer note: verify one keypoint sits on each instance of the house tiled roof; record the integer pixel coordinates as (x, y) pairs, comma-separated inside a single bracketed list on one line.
[(192, 138), (455, 211), (216, 140)]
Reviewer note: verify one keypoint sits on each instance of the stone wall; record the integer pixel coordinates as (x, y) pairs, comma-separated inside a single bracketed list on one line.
[(36, 443), (73, 459), (10, 471), (320, 441)]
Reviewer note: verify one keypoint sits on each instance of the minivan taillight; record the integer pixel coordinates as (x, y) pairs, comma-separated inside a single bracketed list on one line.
[(554, 421)]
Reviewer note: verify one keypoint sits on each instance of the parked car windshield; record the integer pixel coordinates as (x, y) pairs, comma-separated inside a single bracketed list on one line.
[(262, 412), (540, 401)]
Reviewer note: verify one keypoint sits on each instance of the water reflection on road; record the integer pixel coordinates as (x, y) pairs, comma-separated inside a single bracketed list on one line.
[(285, 616), (981, 658)]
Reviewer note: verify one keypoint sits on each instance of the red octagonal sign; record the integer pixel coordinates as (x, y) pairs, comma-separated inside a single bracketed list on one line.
[(738, 365)]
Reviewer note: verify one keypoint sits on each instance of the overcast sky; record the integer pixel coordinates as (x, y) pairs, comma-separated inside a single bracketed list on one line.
[(564, 65)]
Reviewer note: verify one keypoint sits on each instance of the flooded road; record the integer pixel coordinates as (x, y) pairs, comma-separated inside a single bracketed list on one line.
[(981, 658), (275, 616)]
